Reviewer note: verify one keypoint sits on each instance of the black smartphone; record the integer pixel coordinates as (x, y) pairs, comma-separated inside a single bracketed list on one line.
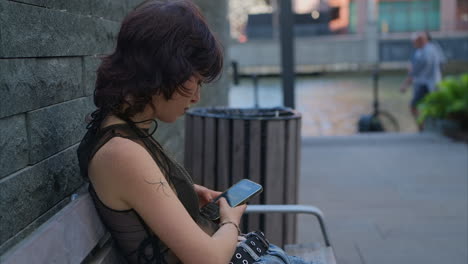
[(240, 192)]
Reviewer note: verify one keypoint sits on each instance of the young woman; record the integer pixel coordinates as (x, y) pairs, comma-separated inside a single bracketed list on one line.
[(148, 202)]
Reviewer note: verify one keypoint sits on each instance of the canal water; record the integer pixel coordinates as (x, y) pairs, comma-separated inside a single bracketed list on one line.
[(331, 104)]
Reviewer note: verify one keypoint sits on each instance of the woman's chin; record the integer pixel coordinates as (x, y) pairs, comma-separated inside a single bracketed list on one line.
[(169, 119)]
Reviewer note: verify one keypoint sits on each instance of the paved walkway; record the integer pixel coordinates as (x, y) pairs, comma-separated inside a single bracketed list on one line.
[(388, 198)]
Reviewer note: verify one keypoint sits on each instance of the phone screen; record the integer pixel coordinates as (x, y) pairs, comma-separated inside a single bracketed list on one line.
[(240, 192)]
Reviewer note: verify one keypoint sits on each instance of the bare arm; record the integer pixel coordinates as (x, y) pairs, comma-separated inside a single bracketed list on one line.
[(142, 186)]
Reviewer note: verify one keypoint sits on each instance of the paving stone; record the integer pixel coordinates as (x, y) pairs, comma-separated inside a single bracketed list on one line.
[(430, 250), (388, 198), (52, 129), (13, 144), (28, 84), (29, 193), (48, 32)]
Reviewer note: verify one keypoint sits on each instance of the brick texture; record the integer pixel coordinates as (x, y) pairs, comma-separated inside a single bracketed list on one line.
[(13, 144), (52, 129), (29, 84)]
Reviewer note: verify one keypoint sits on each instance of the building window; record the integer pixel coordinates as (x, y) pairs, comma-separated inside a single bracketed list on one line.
[(402, 15), (409, 16), (353, 17), (462, 15)]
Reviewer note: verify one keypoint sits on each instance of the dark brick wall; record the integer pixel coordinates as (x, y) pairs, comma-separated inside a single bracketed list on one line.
[(47, 61), (48, 56)]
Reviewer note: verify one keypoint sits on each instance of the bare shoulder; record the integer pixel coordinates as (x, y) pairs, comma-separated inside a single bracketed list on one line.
[(122, 154), (119, 148), (119, 169)]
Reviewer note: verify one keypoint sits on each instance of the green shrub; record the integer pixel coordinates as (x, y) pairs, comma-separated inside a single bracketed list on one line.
[(450, 101)]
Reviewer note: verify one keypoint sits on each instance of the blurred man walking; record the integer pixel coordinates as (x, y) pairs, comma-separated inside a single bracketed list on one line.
[(424, 72)]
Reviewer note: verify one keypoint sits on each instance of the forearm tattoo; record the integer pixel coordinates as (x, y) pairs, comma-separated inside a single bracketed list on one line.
[(160, 185)]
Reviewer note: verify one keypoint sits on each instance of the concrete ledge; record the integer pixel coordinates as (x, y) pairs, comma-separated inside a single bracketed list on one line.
[(308, 51), (68, 237), (28, 84), (338, 53)]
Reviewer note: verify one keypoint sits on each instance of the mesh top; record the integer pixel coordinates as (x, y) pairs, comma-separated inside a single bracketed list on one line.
[(133, 238)]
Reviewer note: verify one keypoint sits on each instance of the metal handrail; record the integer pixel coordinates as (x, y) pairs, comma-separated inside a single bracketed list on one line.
[(295, 209)]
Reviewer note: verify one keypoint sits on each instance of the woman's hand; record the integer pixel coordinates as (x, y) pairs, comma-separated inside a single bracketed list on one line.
[(205, 195), (228, 213)]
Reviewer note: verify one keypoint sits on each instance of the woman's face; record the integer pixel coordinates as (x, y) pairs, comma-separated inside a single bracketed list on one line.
[(169, 110)]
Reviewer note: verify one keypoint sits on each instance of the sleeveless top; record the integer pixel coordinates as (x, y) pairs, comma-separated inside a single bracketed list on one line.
[(132, 236)]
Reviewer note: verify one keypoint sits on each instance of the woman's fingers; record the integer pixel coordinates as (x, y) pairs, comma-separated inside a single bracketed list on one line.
[(222, 202)]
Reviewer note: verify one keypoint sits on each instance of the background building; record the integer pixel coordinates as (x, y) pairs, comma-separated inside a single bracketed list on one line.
[(412, 15), (342, 35)]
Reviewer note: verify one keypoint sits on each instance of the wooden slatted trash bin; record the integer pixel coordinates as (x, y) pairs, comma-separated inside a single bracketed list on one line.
[(225, 145)]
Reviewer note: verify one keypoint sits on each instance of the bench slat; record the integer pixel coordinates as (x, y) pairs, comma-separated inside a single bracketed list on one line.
[(106, 255), (68, 237)]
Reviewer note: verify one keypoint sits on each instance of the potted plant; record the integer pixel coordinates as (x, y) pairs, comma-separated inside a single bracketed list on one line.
[(446, 110)]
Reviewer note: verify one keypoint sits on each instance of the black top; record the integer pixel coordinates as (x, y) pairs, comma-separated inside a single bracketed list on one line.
[(132, 236)]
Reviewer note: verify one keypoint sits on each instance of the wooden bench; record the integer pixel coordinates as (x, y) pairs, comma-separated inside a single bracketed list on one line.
[(76, 235)]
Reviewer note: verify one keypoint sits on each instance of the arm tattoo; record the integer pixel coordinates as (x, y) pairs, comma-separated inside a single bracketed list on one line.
[(160, 184)]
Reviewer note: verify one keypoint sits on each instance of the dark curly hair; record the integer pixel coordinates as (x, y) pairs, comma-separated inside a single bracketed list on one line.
[(161, 44)]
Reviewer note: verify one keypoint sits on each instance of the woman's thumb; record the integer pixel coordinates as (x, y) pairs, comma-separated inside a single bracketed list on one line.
[(222, 202)]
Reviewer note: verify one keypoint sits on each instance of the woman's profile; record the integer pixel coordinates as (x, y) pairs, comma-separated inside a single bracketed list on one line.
[(148, 202)]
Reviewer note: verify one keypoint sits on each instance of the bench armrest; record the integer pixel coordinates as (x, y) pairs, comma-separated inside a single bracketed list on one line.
[(292, 209)]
